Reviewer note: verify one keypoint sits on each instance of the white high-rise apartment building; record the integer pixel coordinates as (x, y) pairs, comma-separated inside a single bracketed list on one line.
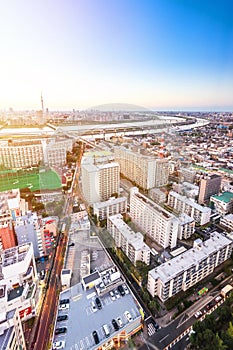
[(129, 241), (146, 171), (182, 204), (154, 220), (19, 154), (99, 181), (187, 269)]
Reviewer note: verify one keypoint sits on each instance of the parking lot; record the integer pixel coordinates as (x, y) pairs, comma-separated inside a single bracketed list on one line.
[(85, 255), (84, 316)]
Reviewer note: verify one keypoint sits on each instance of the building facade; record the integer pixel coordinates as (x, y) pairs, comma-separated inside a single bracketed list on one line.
[(99, 180), (131, 243), (18, 281), (209, 186), (223, 203), (182, 204), (11, 331), (146, 171), (153, 220), (227, 222), (18, 154)]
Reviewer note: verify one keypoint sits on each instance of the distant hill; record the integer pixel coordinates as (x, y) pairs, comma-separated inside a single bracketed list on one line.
[(119, 107)]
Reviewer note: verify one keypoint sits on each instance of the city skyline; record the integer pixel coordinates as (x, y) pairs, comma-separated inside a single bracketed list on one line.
[(163, 55)]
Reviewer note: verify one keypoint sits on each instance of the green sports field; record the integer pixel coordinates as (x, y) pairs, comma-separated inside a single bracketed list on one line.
[(34, 180)]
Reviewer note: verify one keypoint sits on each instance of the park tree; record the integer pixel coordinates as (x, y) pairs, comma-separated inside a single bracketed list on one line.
[(224, 314)]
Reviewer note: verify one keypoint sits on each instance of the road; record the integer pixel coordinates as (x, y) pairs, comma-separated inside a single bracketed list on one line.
[(178, 330), (46, 317)]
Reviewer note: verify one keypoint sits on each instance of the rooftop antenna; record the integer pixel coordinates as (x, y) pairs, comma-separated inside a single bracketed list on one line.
[(42, 106)]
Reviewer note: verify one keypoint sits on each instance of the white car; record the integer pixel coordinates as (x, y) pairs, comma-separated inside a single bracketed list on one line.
[(128, 316), (117, 294), (125, 289), (59, 344), (119, 321), (198, 314), (112, 295), (64, 307)]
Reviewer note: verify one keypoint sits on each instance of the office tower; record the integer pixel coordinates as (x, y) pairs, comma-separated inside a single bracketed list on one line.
[(209, 185)]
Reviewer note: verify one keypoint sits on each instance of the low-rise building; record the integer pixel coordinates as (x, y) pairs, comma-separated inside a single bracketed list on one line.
[(7, 236), (223, 203), (187, 269), (227, 222), (186, 226), (110, 207), (157, 195), (11, 206), (130, 242)]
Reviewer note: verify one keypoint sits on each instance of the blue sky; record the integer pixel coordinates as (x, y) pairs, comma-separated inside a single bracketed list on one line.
[(161, 54)]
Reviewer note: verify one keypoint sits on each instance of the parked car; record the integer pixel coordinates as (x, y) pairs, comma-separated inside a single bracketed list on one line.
[(98, 303), (62, 318), (121, 290), (64, 307), (96, 337), (119, 321), (59, 344), (117, 294), (61, 330), (93, 306), (112, 295), (198, 314), (115, 325), (128, 316), (125, 289)]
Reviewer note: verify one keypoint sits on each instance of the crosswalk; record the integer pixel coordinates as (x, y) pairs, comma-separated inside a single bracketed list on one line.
[(150, 329)]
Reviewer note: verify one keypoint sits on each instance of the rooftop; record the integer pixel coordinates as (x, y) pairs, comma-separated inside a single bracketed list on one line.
[(225, 197), (190, 202), (15, 254), (109, 202), (134, 238), (15, 293)]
